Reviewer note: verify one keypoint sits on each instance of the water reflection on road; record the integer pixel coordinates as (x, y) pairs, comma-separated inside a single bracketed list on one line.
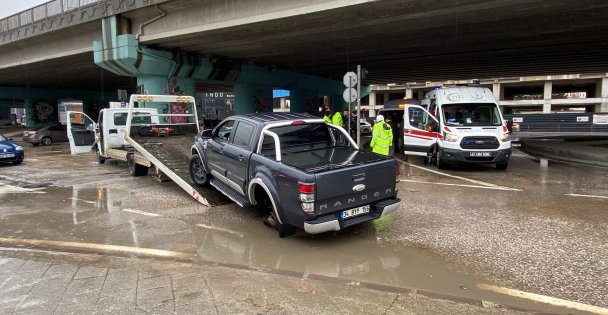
[(111, 216)]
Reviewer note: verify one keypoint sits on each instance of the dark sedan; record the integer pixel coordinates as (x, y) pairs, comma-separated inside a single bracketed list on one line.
[(10, 152)]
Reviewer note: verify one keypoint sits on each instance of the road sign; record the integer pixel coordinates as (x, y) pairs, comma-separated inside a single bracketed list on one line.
[(350, 95), (350, 79)]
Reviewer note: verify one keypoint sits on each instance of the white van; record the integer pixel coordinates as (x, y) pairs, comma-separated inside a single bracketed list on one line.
[(457, 124)]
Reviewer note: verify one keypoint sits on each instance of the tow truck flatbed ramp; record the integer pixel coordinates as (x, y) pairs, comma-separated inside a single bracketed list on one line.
[(169, 152), (173, 153)]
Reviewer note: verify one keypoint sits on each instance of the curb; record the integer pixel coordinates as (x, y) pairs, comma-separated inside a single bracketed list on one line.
[(327, 279), (567, 152)]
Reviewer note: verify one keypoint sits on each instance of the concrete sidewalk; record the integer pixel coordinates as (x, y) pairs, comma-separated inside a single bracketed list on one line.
[(583, 148), (45, 282)]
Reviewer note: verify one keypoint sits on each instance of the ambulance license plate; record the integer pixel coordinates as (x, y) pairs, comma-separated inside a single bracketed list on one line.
[(482, 154), (354, 212)]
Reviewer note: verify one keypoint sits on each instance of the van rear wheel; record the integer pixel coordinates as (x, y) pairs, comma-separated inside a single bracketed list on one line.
[(502, 166), (441, 164)]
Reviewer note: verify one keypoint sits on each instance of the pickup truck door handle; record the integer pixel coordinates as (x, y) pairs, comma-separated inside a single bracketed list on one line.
[(241, 157), (113, 131)]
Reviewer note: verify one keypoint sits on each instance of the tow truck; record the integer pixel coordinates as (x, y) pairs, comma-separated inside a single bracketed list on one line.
[(145, 137)]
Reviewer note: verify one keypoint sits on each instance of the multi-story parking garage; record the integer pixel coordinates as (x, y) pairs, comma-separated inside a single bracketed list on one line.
[(575, 93)]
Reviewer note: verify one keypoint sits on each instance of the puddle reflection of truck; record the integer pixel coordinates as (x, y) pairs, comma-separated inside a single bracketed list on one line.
[(144, 138)]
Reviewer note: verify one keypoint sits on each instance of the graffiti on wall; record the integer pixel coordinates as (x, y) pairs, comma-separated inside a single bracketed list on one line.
[(176, 108), (262, 102), (41, 113)]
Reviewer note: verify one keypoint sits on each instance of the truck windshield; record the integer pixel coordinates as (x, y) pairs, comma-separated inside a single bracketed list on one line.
[(471, 114)]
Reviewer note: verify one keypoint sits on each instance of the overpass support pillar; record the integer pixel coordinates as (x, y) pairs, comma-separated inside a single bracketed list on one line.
[(252, 98), (497, 91), (603, 107), (372, 104), (303, 101), (547, 96), (338, 104), (160, 85), (409, 93)]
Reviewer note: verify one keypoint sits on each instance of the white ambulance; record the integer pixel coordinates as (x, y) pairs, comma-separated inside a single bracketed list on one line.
[(461, 124)]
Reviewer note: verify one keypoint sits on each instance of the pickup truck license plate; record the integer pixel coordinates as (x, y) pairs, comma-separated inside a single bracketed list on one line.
[(10, 155), (354, 212), (483, 154)]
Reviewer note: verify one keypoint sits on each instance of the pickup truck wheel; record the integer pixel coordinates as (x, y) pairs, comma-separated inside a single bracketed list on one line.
[(134, 168), (283, 229), (197, 171)]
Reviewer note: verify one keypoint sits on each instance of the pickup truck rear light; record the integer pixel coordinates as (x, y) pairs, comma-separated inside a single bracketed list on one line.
[(308, 207), (297, 123), (307, 197), (307, 188)]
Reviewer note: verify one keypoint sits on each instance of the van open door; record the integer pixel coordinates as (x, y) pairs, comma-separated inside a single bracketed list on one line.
[(420, 130), (81, 132)]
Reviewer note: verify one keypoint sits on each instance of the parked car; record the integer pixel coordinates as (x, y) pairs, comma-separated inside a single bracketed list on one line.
[(365, 127), (10, 152), (46, 135)]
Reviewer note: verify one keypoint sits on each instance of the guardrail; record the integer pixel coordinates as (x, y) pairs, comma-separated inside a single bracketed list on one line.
[(560, 122), (41, 12)]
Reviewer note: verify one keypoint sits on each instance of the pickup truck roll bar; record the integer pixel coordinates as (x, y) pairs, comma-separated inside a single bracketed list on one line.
[(277, 146)]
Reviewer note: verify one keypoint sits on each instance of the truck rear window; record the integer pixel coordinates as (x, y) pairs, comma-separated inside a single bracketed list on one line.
[(299, 138), (120, 119)]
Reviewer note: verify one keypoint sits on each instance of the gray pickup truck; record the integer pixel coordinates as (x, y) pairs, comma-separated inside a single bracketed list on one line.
[(307, 173)]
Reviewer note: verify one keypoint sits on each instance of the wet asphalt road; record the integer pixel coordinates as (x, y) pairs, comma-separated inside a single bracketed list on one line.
[(526, 228)]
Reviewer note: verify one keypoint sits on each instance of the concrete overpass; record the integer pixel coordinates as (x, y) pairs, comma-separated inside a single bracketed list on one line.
[(303, 45)]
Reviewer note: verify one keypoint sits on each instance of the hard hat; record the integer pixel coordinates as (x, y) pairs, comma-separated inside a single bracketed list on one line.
[(379, 118)]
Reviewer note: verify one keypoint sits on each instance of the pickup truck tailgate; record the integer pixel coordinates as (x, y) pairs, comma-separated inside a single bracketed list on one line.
[(345, 177)]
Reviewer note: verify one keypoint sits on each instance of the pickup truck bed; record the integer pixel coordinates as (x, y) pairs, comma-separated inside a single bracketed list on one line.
[(330, 158)]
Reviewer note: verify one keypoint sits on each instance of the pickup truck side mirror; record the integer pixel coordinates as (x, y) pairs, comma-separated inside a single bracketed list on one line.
[(207, 133)]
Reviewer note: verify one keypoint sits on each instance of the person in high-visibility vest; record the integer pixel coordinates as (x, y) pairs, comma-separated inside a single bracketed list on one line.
[(326, 114), (382, 136), (337, 119)]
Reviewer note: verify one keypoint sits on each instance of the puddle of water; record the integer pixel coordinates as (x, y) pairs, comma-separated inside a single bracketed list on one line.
[(111, 216)]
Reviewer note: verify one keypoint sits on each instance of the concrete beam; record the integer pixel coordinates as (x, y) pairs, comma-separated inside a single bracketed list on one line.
[(52, 46), (225, 14), (54, 18)]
